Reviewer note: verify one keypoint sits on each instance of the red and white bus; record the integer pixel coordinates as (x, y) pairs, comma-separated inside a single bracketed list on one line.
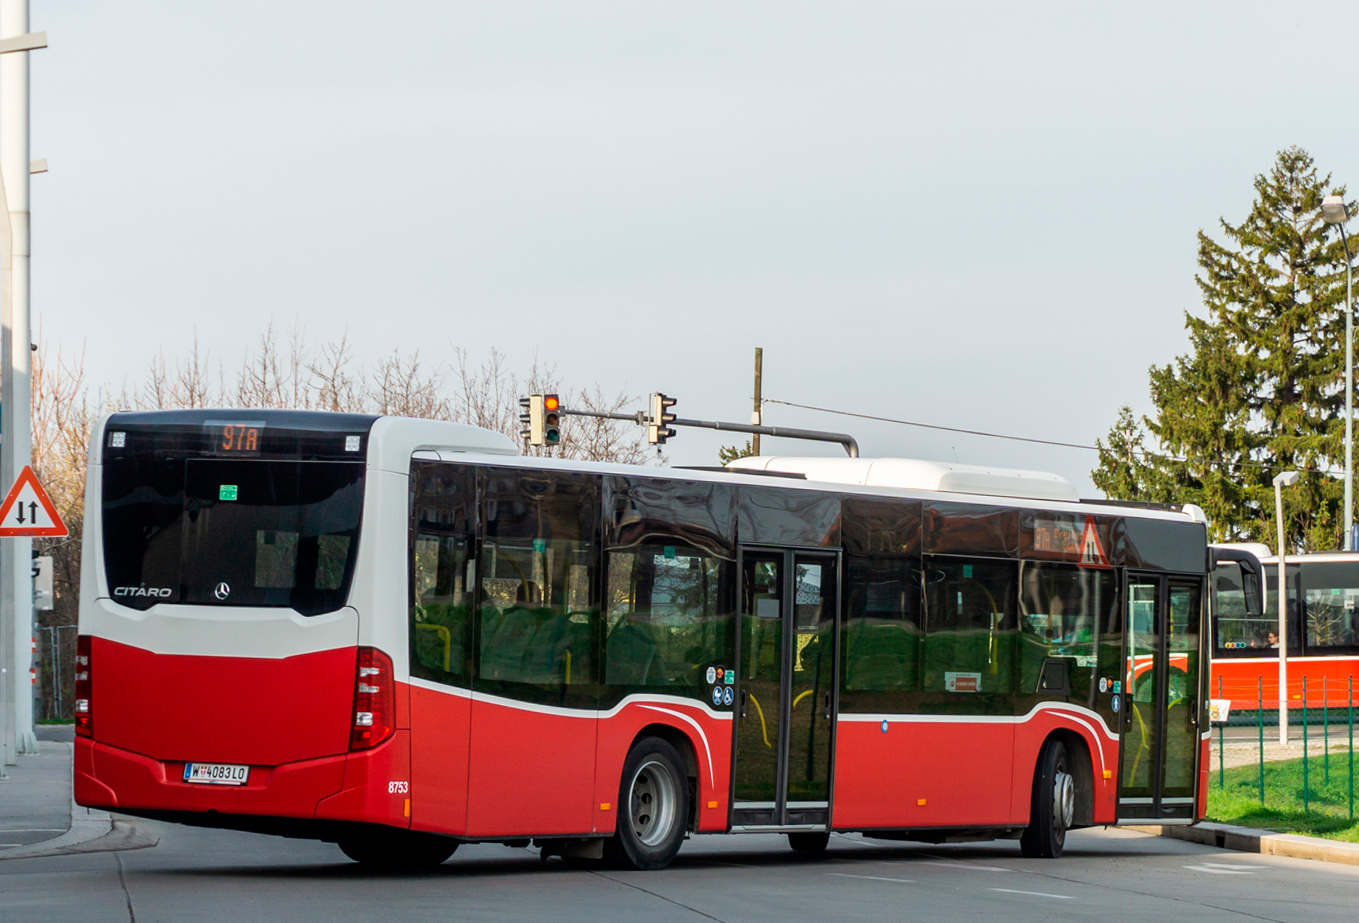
[(1322, 631), (399, 635)]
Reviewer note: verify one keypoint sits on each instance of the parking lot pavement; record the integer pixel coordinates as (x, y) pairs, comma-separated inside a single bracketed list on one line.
[(221, 875)]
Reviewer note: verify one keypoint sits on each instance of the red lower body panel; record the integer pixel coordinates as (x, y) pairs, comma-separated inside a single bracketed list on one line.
[(949, 773), (488, 767), (441, 724)]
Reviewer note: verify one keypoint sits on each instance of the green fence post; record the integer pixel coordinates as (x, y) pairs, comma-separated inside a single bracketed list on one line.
[(1260, 723), (1304, 744), (1326, 731)]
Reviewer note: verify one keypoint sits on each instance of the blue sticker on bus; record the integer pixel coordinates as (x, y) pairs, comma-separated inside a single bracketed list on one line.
[(726, 695), (1114, 704), (717, 695), (884, 725)]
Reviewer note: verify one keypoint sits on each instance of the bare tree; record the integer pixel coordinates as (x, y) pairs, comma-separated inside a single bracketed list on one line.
[(337, 388), (404, 387)]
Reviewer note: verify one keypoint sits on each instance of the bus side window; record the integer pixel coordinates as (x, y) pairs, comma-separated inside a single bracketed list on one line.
[(970, 625), (442, 605), (882, 624), (539, 597), (443, 523), (666, 615), (1061, 609), (1331, 606)]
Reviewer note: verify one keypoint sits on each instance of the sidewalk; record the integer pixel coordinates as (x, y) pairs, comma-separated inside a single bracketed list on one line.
[(1247, 752), (35, 801), (38, 817), (1265, 842)]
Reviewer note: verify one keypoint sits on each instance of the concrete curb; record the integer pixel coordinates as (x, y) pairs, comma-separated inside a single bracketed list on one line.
[(91, 831), (1265, 842)]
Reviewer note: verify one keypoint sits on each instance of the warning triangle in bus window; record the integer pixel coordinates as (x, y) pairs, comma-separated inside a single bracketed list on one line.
[(28, 511), (1092, 550)]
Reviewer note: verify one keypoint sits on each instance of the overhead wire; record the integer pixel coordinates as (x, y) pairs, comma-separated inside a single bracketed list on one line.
[(1053, 442)]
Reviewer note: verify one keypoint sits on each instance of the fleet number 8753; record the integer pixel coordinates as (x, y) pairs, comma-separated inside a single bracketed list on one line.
[(398, 788)]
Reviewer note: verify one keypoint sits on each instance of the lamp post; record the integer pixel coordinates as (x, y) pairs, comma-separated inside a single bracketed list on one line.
[(1282, 480), (16, 609), (1334, 210)]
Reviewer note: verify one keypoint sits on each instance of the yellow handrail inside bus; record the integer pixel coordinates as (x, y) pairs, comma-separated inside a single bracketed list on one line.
[(763, 729), (445, 636)]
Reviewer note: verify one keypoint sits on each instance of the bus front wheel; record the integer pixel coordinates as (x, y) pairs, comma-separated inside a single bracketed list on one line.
[(1053, 806), (398, 849), (653, 807)]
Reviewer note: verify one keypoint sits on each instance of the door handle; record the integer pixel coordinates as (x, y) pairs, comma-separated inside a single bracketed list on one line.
[(828, 697), (744, 697)]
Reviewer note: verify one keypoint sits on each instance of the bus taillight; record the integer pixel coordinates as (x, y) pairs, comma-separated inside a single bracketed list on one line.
[(374, 700), (84, 711)]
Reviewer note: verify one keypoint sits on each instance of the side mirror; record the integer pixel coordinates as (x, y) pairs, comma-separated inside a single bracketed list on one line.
[(1250, 585)]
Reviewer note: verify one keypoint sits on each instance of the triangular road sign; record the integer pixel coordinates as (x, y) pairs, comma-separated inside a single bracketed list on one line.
[(1092, 551), (28, 510)]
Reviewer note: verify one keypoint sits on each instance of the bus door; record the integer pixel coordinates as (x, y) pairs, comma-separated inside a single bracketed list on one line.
[(785, 715), (1160, 693)]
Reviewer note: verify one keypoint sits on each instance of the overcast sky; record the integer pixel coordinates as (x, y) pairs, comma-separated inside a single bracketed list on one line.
[(969, 214)]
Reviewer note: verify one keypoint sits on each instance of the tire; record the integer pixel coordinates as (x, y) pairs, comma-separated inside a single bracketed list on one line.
[(653, 808), (809, 844), (398, 849), (1053, 805)]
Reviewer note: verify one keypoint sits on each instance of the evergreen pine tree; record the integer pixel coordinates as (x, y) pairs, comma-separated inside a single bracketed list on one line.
[(1262, 388)]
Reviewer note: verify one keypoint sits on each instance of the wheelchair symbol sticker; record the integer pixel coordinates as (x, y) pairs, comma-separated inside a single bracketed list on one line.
[(726, 695)]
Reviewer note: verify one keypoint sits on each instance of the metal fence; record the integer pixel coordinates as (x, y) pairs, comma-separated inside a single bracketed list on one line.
[(54, 672), (1314, 771)]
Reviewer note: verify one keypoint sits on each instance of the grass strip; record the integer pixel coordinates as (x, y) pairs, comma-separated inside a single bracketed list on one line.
[(1239, 801)]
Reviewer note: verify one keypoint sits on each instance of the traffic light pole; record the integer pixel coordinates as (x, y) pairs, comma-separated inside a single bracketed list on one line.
[(851, 446)]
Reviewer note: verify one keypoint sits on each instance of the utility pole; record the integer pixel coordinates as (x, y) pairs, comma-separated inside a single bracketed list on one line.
[(16, 399), (757, 416)]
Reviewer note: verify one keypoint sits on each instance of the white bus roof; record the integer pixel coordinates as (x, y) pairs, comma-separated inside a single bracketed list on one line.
[(917, 474)]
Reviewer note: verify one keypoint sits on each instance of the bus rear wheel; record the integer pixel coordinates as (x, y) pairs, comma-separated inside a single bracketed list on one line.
[(653, 807), (1053, 806), (398, 849)]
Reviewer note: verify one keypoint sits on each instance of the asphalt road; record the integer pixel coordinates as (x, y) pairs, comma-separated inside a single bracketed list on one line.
[(1106, 874)]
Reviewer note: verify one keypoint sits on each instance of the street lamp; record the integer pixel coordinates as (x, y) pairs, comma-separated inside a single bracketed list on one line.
[(1282, 480), (1334, 210)]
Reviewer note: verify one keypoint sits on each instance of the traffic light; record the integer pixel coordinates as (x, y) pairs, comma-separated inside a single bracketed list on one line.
[(659, 429), (532, 417), (552, 415)]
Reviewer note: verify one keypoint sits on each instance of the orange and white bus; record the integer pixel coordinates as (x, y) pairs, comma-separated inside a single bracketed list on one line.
[(1322, 629)]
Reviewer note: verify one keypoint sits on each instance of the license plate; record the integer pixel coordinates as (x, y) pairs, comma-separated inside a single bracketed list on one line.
[(216, 773)]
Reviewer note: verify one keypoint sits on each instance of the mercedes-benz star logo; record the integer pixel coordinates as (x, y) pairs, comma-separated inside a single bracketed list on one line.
[(223, 590)]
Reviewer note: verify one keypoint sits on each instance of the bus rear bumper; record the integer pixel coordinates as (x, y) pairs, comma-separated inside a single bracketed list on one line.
[(115, 779)]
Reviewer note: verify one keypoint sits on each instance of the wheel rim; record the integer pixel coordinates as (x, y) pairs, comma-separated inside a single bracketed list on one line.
[(651, 802), (1063, 799)]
